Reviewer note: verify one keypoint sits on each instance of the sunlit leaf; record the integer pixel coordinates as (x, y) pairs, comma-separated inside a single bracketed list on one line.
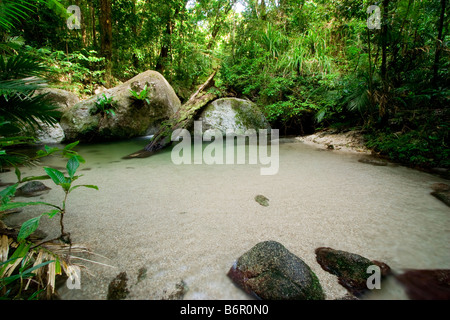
[(28, 227), (56, 175)]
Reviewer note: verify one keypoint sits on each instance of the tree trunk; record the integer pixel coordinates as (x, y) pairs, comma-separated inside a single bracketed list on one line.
[(439, 42), (94, 33), (82, 24), (384, 34), (106, 38), (218, 23), (165, 47), (263, 10), (181, 120)]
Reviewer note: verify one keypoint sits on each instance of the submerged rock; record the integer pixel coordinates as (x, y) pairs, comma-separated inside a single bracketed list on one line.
[(439, 187), (180, 291), (233, 114), (32, 189), (132, 117), (444, 196), (118, 287), (269, 271), (374, 161), (426, 284), (350, 268), (262, 200), (443, 172), (441, 192)]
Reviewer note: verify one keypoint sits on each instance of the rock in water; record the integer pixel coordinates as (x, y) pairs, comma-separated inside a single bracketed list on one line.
[(118, 288), (132, 118), (441, 192), (233, 114), (426, 284), (180, 291), (32, 189), (350, 268), (444, 196), (262, 200), (373, 161), (270, 272)]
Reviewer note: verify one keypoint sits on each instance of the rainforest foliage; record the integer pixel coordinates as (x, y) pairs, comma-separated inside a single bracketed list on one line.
[(378, 66)]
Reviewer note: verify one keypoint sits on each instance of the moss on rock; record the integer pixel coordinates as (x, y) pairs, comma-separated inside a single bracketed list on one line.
[(271, 272)]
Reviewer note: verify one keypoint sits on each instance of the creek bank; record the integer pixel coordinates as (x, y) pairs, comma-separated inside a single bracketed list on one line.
[(350, 141)]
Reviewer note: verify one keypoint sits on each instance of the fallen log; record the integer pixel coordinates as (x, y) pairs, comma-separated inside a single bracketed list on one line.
[(182, 119)]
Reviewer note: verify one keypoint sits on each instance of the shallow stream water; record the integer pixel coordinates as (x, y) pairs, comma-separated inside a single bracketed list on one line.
[(163, 223)]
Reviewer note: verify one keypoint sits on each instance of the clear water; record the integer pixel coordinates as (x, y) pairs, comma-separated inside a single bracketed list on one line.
[(191, 222)]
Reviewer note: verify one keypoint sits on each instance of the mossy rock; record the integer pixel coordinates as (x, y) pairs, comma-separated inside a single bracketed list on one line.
[(118, 287), (444, 196), (269, 271), (233, 114), (32, 189), (350, 268), (262, 200), (132, 117)]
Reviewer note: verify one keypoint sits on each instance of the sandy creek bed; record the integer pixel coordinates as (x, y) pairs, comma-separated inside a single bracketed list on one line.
[(191, 222)]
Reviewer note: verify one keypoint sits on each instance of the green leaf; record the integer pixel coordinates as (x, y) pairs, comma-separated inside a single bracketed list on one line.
[(14, 205), (66, 186), (51, 214), (71, 145), (18, 254), (7, 193), (72, 166), (26, 274), (27, 179), (50, 150), (18, 174), (28, 227), (43, 264), (56, 175), (84, 186)]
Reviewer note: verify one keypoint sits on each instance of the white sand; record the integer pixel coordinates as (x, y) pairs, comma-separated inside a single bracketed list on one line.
[(192, 222), (351, 141)]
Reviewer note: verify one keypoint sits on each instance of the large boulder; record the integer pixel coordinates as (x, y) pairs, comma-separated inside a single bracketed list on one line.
[(49, 134), (132, 117), (271, 272), (233, 114), (61, 98)]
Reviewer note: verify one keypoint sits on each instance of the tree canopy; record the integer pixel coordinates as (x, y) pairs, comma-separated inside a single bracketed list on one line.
[(309, 64)]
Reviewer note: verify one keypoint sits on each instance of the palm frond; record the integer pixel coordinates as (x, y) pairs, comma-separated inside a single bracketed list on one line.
[(19, 67), (28, 109), (12, 11)]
